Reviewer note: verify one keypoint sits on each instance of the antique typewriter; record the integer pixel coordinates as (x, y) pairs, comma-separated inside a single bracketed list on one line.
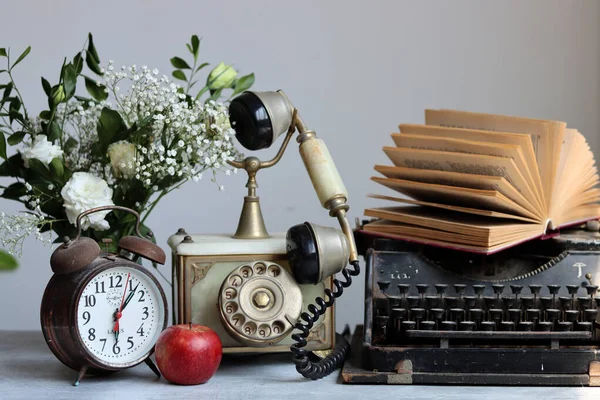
[(524, 316)]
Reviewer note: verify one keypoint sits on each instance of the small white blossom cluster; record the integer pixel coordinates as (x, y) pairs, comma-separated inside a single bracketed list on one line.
[(182, 139), (15, 228)]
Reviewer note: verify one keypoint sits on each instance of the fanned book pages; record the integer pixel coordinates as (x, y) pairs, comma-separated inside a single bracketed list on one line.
[(483, 183)]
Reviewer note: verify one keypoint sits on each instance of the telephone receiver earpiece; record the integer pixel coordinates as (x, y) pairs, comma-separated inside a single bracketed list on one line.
[(316, 252)]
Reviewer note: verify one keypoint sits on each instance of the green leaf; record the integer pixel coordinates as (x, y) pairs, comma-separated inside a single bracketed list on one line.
[(45, 115), (21, 57), (7, 262), (2, 145), (2, 70), (201, 66), (110, 128), (2, 52), (92, 49), (70, 81), (54, 132), (98, 92), (179, 63), (40, 169), (15, 104), (243, 83), (7, 90), (56, 167), (12, 166), (178, 74), (14, 191), (16, 138), (92, 64), (78, 63), (195, 45), (13, 115), (70, 145), (46, 85), (215, 95)]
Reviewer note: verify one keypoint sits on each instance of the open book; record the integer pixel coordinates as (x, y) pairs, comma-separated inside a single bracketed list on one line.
[(482, 182)]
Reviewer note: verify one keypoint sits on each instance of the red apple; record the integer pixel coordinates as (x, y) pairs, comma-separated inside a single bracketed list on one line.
[(188, 354)]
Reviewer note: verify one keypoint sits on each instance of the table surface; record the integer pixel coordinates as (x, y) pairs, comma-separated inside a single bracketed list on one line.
[(28, 370)]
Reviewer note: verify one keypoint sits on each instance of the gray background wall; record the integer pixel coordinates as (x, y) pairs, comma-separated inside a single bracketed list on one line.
[(355, 69)]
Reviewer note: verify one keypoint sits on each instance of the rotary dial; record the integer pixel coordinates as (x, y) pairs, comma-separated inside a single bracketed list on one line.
[(259, 302)]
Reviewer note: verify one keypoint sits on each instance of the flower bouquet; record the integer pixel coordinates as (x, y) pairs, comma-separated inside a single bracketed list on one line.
[(135, 137)]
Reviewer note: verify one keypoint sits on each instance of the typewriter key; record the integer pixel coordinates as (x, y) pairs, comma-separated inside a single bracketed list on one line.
[(452, 302), (478, 290), (516, 289), (487, 326), (408, 325), (533, 314), (566, 303), (546, 302), (590, 314), (535, 289), (572, 289), (508, 301), (571, 315), (457, 314), (470, 301), (526, 301), (476, 314), (440, 288), (413, 301), (564, 326), (459, 288), (448, 325), (583, 326), (466, 326), (507, 326), (525, 326), (496, 315), (427, 325), (584, 302), (591, 289), (403, 289), (498, 289), (490, 302), (552, 314), (544, 326), (383, 285), (515, 315), (422, 288), (432, 301)]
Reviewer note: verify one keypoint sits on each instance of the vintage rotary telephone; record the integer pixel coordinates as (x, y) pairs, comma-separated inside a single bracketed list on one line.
[(315, 253)]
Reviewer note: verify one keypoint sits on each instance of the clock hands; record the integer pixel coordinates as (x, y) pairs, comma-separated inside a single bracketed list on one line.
[(119, 310), (130, 296)]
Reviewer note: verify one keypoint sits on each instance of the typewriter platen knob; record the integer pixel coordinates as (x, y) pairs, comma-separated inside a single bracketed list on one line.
[(259, 302)]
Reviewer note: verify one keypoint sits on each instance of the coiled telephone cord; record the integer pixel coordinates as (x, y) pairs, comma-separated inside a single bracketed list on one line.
[(319, 369)]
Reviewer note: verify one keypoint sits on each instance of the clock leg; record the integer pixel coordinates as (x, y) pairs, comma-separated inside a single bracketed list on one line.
[(152, 366), (80, 375)]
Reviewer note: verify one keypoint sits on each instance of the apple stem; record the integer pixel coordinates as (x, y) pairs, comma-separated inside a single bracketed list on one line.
[(190, 326)]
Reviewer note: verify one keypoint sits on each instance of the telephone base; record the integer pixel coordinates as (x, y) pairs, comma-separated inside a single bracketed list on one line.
[(411, 367)]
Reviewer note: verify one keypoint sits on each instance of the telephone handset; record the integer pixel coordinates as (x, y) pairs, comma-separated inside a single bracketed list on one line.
[(315, 253)]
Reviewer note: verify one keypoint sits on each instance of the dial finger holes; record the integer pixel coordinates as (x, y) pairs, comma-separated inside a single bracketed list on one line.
[(260, 268), (274, 271), (250, 328), (238, 320), (235, 280), (230, 293), (264, 331), (278, 327), (246, 271), (231, 307)]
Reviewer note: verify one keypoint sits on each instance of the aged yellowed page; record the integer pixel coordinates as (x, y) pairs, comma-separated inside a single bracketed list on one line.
[(454, 145)]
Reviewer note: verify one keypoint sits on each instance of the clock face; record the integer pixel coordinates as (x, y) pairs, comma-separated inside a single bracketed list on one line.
[(120, 315)]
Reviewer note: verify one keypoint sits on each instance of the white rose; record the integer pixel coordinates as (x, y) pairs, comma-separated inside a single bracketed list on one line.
[(122, 159), (82, 192), (41, 149)]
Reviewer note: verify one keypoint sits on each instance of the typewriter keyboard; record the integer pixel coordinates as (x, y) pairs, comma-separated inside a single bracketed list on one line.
[(492, 311)]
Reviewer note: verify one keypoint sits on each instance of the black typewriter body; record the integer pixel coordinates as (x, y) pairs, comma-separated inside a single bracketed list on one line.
[(524, 316)]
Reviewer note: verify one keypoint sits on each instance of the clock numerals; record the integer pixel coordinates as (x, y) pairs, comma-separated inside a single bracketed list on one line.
[(92, 334), (90, 300), (131, 285), (116, 349), (87, 317), (100, 287), (103, 340), (141, 330), (145, 314), (130, 342), (142, 298), (116, 281)]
